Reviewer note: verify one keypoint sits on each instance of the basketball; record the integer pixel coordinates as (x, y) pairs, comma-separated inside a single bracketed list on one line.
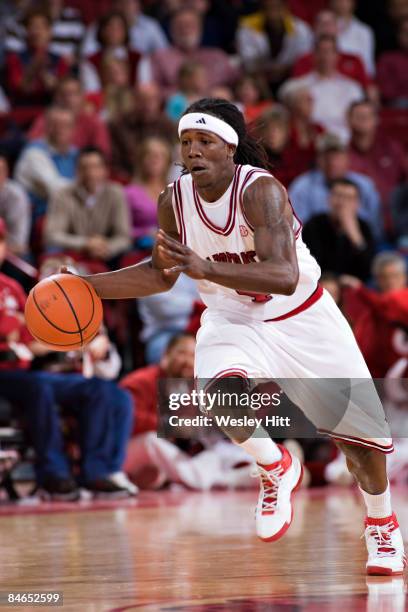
[(63, 312)]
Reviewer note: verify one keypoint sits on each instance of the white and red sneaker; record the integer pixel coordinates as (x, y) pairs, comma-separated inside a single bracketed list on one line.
[(279, 480), (386, 556)]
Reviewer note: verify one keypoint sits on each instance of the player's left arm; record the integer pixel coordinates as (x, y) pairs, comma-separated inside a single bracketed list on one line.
[(268, 210)]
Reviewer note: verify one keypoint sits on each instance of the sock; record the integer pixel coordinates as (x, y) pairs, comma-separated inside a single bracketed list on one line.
[(261, 447), (378, 506)]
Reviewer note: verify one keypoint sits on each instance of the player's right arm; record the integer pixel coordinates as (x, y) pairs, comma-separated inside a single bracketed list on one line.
[(147, 277)]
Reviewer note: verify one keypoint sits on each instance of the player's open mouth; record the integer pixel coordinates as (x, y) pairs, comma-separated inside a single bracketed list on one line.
[(198, 169)]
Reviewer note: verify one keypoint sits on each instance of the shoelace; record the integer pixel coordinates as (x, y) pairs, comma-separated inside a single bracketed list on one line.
[(270, 481), (382, 535)]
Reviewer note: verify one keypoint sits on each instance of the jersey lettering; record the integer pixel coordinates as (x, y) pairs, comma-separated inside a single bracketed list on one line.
[(244, 257)]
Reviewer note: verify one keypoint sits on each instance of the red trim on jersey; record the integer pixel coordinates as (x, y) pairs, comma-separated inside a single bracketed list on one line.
[(232, 372), (225, 231), (241, 195), (316, 295), (358, 441), (179, 210)]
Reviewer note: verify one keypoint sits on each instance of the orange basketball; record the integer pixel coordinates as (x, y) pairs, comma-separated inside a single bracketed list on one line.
[(64, 312)]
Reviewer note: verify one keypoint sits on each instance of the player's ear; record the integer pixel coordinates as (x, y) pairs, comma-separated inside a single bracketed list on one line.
[(231, 150)]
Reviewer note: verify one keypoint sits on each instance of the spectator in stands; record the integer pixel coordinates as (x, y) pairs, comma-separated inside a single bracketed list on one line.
[(117, 95), (166, 315), (252, 92), (309, 193), (49, 164), (380, 318), (151, 178), (163, 66), (90, 216), (273, 129), (89, 130), (147, 119), (341, 242), (31, 75), (152, 461), (66, 25), (271, 40), (393, 70), (354, 36), (192, 85), (349, 65), (146, 35), (14, 210), (374, 153), (332, 92), (304, 132), (103, 411), (399, 215), (219, 19), (114, 42)]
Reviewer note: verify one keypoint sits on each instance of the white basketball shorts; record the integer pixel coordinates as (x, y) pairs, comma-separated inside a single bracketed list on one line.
[(304, 354)]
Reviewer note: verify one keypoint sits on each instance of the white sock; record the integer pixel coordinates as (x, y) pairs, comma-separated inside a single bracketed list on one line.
[(261, 447), (378, 506)]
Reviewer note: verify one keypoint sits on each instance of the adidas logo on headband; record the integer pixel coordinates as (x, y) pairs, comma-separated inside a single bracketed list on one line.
[(208, 123)]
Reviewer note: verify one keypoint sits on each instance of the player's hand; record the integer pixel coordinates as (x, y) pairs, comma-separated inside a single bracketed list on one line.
[(182, 258)]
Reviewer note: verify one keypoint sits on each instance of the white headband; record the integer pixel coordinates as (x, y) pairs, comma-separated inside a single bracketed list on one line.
[(208, 123)]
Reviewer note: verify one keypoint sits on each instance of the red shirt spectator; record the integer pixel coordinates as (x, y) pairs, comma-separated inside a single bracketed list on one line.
[(349, 65), (32, 75), (392, 72), (89, 130), (373, 153), (177, 362), (380, 319)]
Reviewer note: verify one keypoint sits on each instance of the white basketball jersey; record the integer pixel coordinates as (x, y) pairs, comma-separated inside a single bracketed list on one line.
[(220, 231)]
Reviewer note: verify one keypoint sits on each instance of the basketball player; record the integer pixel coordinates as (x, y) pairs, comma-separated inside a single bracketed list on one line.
[(265, 319)]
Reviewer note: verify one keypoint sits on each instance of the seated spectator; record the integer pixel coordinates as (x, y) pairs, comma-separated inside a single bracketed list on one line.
[(31, 75), (354, 36), (117, 95), (15, 211), (309, 193), (380, 317), (341, 242), (152, 461), (393, 70), (220, 19), (102, 410), (271, 40), (145, 120), (192, 85), (304, 132), (151, 178), (145, 34), (163, 66), (49, 164), (332, 92), (349, 65), (113, 39), (252, 93), (89, 131), (273, 129), (67, 28), (166, 315), (90, 216), (399, 215), (374, 153)]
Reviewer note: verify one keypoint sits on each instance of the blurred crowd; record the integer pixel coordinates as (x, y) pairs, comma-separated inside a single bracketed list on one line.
[(90, 96)]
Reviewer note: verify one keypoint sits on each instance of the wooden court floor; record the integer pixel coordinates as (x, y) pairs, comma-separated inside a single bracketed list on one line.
[(197, 552)]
